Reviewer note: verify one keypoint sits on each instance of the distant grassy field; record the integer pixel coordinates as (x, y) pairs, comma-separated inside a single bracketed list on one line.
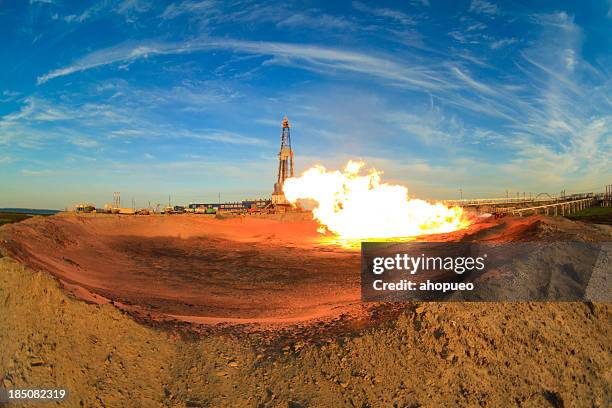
[(10, 217), (598, 215)]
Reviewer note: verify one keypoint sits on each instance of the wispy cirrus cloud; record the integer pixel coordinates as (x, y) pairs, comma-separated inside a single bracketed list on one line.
[(175, 10), (102, 9), (562, 137), (471, 82), (8, 95), (305, 56), (315, 21), (38, 173), (84, 142), (502, 43), (387, 13), (36, 110), (484, 7), (121, 53), (225, 137), (133, 6)]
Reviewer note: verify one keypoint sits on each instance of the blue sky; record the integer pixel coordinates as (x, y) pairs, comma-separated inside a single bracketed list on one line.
[(185, 98)]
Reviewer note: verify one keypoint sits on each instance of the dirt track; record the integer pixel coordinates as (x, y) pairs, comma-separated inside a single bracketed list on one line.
[(431, 354)]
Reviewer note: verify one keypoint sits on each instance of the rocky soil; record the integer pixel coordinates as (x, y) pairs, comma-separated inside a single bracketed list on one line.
[(434, 354)]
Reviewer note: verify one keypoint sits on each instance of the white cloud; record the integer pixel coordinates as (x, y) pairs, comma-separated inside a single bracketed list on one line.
[(484, 7), (570, 59), (462, 38), (502, 43), (78, 18), (35, 109), (316, 21), (224, 137), (479, 86), (559, 19), (268, 122), (476, 26), (128, 6), (36, 173), (551, 70), (128, 132), (188, 7), (387, 13), (84, 142), (26, 110), (107, 56), (582, 163), (430, 128)]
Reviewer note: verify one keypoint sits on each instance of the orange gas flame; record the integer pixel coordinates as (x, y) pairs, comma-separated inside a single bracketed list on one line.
[(355, 206)]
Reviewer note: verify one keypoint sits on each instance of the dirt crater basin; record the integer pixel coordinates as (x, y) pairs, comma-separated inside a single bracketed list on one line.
[(193, 268), (238, 271)]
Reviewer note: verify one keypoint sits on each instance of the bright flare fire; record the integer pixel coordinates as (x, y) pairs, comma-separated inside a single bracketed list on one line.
[(356, 206)]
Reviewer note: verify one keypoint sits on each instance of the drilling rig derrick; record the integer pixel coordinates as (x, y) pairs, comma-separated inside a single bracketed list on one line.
[(285, 165)]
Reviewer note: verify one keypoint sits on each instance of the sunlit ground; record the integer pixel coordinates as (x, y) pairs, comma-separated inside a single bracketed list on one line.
[(355, 244)]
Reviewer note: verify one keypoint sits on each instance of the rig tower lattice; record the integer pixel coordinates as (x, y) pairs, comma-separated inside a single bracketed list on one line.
[(285, 165)]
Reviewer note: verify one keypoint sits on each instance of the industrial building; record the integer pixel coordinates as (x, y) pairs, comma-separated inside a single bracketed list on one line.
[(238, 206)]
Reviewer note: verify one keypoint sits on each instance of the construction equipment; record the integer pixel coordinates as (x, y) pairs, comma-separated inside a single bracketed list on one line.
[(285, 165)]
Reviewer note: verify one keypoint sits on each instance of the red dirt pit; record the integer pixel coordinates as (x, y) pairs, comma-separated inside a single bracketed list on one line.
[(245, 270), (192, 268)]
